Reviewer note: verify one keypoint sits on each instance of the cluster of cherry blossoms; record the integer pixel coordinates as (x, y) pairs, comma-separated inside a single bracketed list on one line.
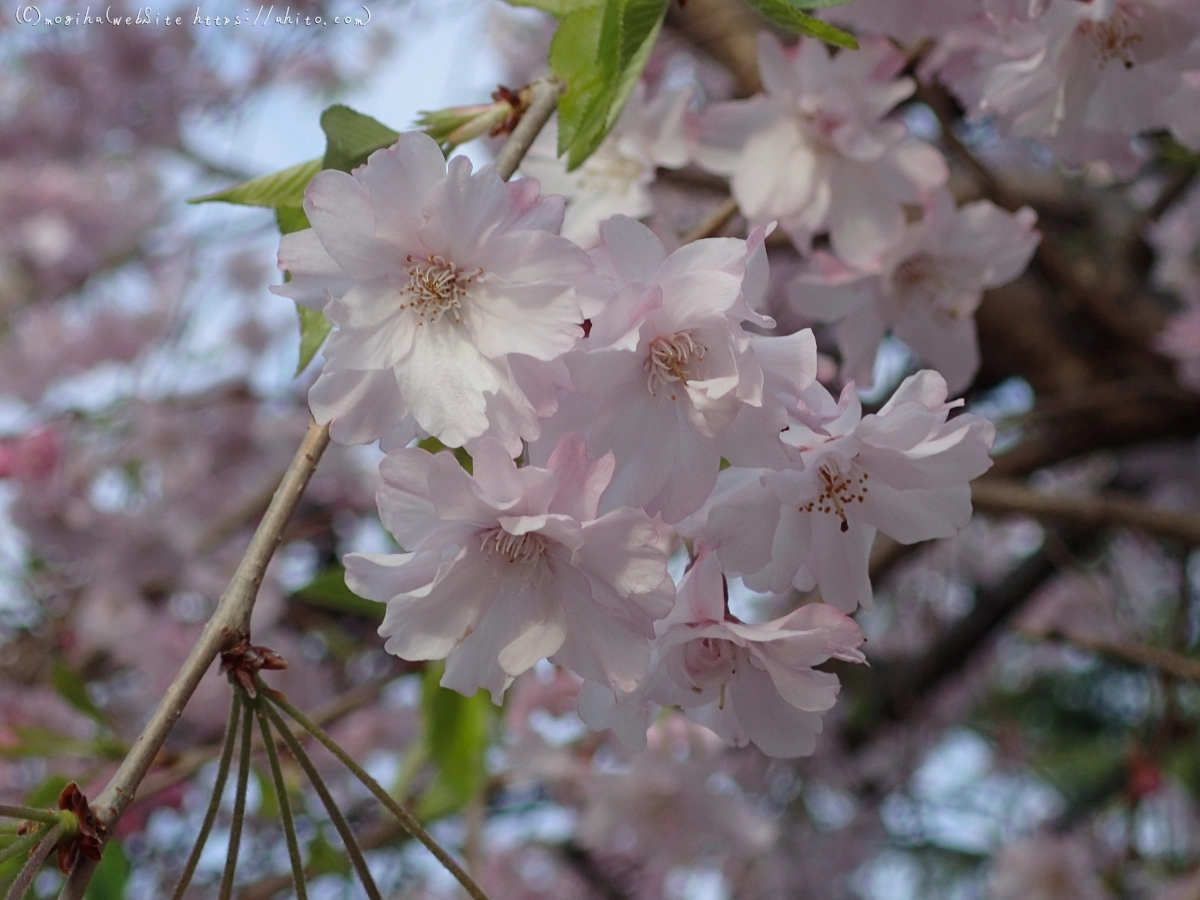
[(654, 408)]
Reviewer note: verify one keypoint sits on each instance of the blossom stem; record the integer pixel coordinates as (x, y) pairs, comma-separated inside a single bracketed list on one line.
[(214, 802), (541, 108), (407, 819), (285, 805), (28, 812), (21, 845), (231, 620), (239, 806), (24, 879), (335, 814)]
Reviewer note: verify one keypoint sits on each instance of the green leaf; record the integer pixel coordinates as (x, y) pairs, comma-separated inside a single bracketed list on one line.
[(788, 14), (46, 793), (314, 328), (556, 8), (350, 137), (457, 730), (111, 875), (73, 689), (328, 591), (290, 218), (284, 188), (324, 859), (600, 53), (433, 445)]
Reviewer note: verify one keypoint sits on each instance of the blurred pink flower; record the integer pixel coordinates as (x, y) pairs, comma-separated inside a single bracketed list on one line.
[(926, 290), (815, 152), (511, 565), (437, 280)]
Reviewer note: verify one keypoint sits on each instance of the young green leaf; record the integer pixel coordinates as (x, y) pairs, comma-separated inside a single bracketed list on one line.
[(111, 875), (284, 188), (600, 53), (314, 329), (556, 8), (789, 14), (350, 137), (456, 733), (328, 591)]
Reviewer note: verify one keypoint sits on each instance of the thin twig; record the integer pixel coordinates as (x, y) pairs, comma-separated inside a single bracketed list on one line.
[(713, 222), (191, 761), (228, 623), (1134, 652), (214, 802), (541, 108), (231, 621), (29, 871), (22, 845), (239, 806), (285, 805), (28, 812), (335, 814), (996, 495), (407, 819)]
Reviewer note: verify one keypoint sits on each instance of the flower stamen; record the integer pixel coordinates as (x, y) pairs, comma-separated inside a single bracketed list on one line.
[(436, 286), (518, 548), (837, 492), (668, 360)]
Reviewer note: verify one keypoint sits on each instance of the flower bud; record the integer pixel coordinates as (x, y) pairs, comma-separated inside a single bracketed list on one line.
[(459, 124)]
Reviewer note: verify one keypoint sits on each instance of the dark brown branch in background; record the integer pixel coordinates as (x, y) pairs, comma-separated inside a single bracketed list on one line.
[(997, 495)]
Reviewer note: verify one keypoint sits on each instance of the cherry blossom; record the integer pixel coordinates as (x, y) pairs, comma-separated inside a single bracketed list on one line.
[(439, 282), (509, 566), (614, 179), (666, 356), (815, 151), (926, 290), (1181, 339), (748, 683), (1046, 867), (903, 471), (1082, 76), (1176, 242)]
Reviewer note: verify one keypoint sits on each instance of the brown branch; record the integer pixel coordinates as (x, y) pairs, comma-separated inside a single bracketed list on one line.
[(713, 222), (1132, 652), (1001, 495)]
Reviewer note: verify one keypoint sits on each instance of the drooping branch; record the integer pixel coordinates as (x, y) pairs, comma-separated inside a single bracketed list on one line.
[(1002, 495)]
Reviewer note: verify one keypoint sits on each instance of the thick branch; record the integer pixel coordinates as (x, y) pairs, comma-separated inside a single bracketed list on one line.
[(997, 495), (1132, 652)]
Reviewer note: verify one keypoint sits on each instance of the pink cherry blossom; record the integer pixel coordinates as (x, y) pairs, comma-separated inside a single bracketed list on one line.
[(614, 180), (748, 683), (509, 566), (439, 281), (815, 152), (903, 471), (1082, 76), (1046, 867), (1176, 242), (666, 357), (907, 21), (926, 290), (1181, 339)]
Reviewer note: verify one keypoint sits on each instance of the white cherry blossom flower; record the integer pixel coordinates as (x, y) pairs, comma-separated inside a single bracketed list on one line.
[(815, 151), (926, 290), (1083, 76), (903, 471), (667, 366), (748, 683), (443, 285), (614, 180), (508, 566)]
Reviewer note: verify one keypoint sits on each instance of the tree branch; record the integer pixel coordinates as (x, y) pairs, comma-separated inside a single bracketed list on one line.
[(1001, 495)]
